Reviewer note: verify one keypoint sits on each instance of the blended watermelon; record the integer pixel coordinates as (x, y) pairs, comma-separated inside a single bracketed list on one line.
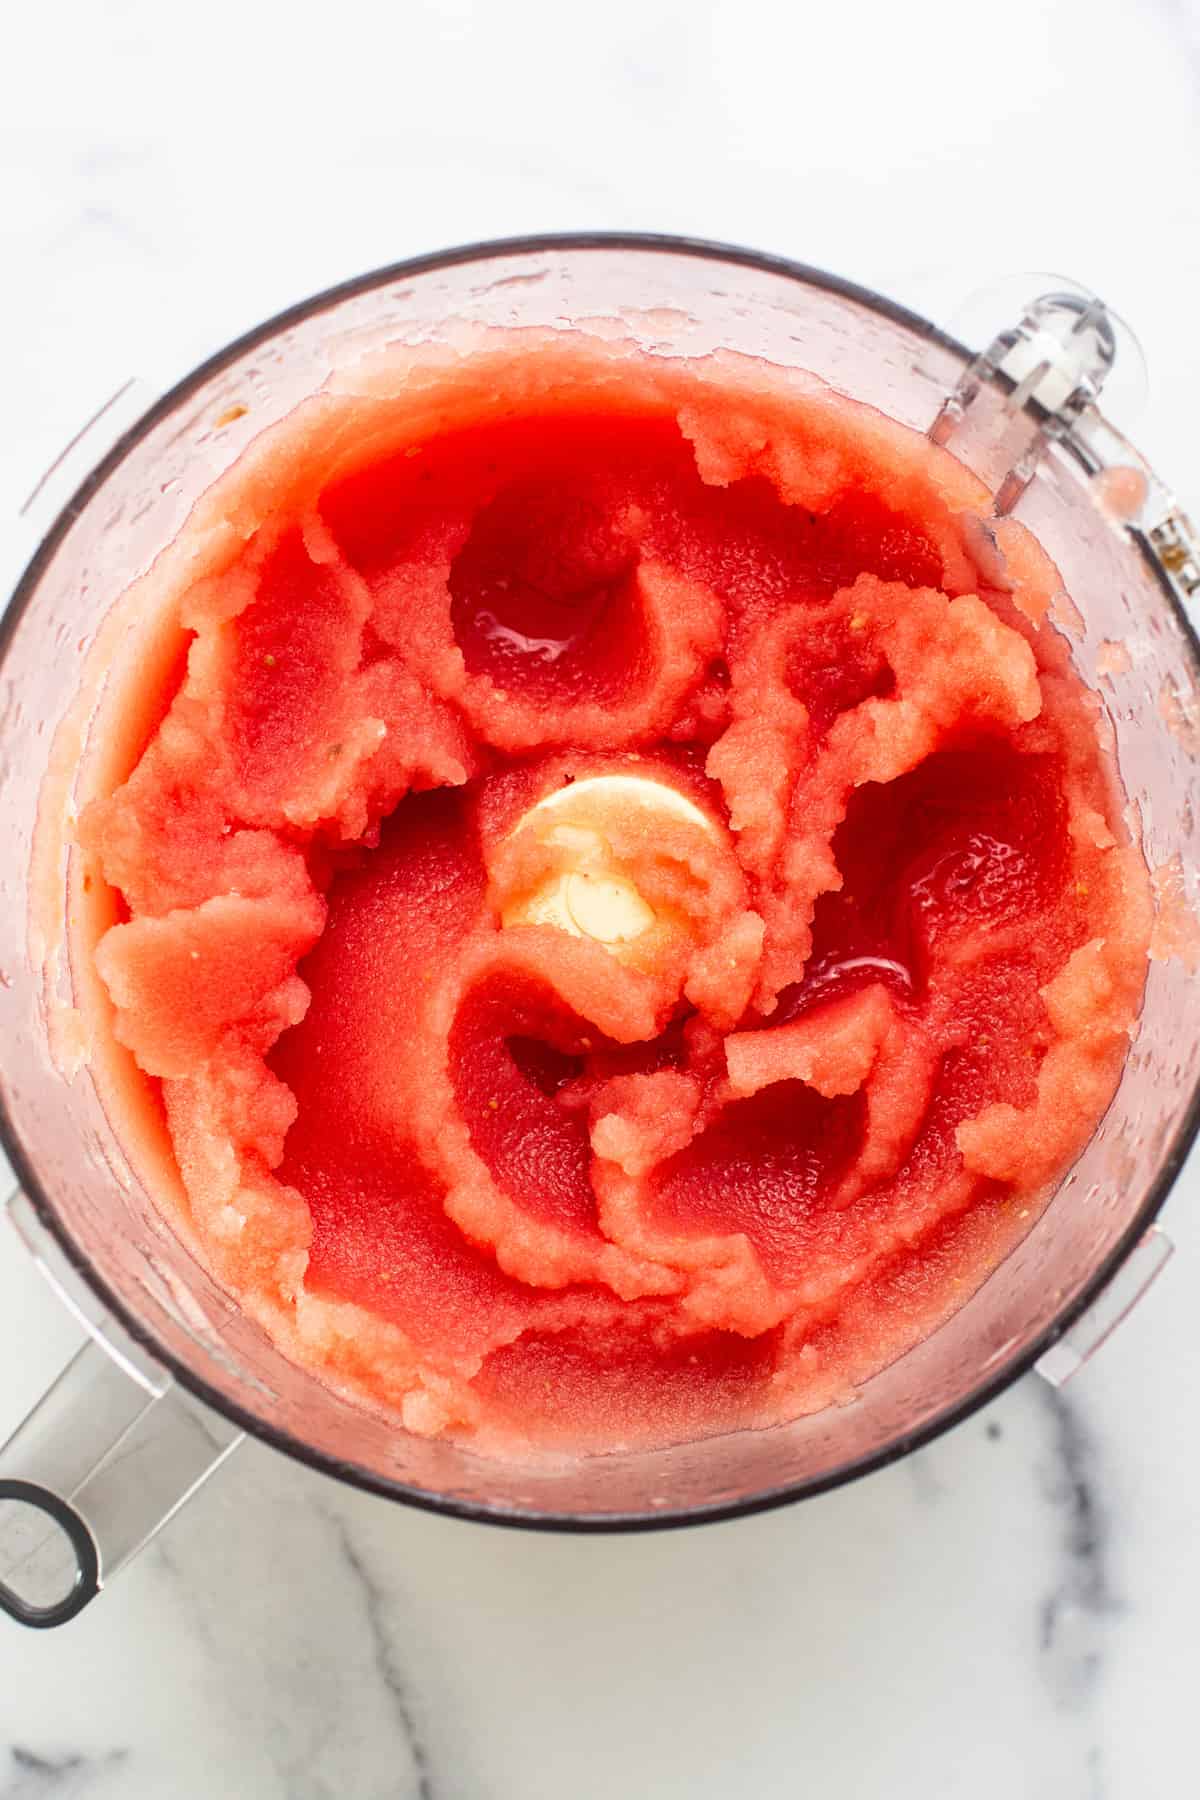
[(625, 922)]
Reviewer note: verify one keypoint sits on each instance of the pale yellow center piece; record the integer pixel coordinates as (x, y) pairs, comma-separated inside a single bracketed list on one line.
[(589, 895)]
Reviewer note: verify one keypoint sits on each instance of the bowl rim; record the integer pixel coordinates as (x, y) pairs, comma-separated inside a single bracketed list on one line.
[(344, 1469)]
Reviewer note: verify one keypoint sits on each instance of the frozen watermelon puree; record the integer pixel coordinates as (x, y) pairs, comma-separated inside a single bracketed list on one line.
[(627, 922)]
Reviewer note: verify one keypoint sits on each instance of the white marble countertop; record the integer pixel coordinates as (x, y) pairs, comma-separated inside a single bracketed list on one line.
[(1009, 1614)]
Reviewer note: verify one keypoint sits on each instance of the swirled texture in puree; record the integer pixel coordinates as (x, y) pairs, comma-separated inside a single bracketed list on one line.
[(468, 1140)]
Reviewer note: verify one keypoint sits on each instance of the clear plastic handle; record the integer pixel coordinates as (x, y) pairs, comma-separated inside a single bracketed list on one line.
[(106, 1457), (114, 1447), (1132, 1281)]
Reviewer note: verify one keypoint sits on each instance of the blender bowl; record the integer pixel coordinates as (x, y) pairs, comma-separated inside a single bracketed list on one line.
[(174, 1373)]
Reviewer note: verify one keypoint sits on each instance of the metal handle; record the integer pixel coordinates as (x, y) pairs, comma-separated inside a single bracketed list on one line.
[(111, 1451)]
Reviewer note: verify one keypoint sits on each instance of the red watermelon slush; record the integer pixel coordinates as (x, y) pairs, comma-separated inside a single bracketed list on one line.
[(611, 904)]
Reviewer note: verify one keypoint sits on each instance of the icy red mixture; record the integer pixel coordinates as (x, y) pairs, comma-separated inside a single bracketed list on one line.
[(620, 892)]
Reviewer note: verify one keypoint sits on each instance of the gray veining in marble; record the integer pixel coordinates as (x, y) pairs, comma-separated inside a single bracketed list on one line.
[(1076, 1613), (32, 1774), (375, 1606)]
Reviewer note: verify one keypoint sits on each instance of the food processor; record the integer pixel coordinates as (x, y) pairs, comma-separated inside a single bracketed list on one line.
[(173, 1374)]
